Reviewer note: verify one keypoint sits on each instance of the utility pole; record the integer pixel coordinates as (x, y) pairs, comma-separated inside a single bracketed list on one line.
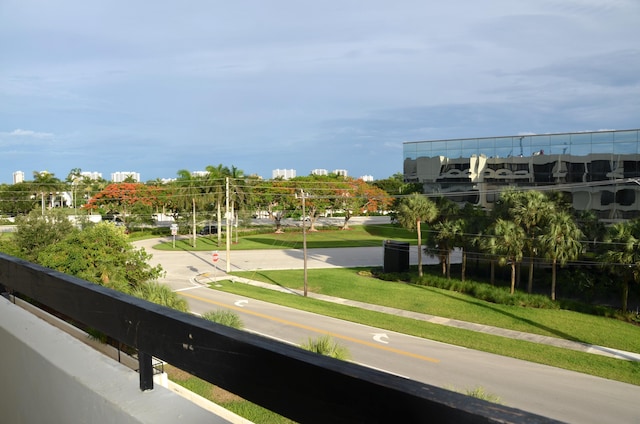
[(304, 240), (227, 235)]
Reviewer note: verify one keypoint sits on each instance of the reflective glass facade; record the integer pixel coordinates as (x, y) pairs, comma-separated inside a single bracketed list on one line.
[(596, 169)]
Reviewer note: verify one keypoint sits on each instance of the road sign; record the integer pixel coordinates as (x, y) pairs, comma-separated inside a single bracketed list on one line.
[(215, 257), (174, 229)]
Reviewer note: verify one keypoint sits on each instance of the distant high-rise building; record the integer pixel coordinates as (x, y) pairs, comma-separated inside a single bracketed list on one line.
[(199, 173), (91, 175), (367, 178), (319, 172), (120, 176), (285, 174), (342, 172), (18, 177)]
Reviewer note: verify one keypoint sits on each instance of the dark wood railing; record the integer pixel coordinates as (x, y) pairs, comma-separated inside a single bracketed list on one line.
[(298, 384)]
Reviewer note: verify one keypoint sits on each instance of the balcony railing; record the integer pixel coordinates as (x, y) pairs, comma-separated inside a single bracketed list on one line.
[(295, 383)]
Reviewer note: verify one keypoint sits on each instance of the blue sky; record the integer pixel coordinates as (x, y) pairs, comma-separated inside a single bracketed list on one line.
[(158, 86)]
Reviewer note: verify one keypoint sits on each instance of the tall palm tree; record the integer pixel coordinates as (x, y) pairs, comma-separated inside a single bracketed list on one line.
[(189, 192), (447, 234), (507, 243), (561, 242), (623, 255), (411, 212), (216, 189), (529, 210), (47, 185), (473, 221)]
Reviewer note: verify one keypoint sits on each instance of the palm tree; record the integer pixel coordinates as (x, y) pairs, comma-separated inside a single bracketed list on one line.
[(507, 243), (47, 184), (561, 242), (447, 234), (623, 255), (216, 188), (529, 210), (473, 220), (412, 211), (190, 189)]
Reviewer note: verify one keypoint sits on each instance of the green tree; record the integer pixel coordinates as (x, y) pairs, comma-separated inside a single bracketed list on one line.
[(161, 295), (189, 196), (473, 220), (561, 242), (447, 234), (593, 229), (101, 254), (623, 255), (17, 199), (35, 232), (395, 185), (412, 211), (530, 210), (47, 185), (507, 242)]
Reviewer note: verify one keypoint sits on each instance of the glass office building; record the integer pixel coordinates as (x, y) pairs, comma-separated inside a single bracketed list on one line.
[(597, 170)]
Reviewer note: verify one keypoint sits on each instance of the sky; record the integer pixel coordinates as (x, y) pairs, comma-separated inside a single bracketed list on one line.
[(159, 86)]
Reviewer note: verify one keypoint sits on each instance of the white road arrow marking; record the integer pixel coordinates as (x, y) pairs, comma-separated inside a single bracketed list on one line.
[(379, 336), (241, 303)]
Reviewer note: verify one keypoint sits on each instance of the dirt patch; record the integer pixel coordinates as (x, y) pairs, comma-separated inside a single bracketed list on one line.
[(216, 394)]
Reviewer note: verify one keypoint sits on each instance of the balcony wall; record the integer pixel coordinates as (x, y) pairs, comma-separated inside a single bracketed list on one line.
[(42, 381)]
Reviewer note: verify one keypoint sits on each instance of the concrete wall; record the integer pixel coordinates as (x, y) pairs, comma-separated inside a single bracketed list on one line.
[(50, 377)]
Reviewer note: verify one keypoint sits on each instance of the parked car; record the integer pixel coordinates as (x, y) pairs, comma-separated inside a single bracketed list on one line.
[(208, 229)]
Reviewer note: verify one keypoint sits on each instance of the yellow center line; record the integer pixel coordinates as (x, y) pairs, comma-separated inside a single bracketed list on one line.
[(314, 329)]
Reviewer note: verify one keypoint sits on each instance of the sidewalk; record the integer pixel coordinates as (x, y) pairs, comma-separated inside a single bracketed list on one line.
[(534, 338)]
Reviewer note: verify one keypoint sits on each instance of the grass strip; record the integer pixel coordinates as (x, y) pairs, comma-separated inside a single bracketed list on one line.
[(357, 284), (614, 369)]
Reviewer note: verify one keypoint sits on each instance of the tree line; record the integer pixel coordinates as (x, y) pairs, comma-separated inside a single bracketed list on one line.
[(526, 228)]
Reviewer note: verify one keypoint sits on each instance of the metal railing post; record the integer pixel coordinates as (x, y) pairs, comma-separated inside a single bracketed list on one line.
[(146, 371)]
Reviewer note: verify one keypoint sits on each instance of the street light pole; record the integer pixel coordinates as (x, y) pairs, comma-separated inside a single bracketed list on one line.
[(304, 241)]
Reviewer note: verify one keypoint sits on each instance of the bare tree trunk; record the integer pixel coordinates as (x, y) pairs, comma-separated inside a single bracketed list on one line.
[(419, 249), (493, 272), (219, 221), (347, 216), (448, 260), (625, 294), (193, 201), (464, 264), (553, 279), (513, 277), (530, 285)]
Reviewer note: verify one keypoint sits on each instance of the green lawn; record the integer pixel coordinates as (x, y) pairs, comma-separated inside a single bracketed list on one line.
[(569, 325), (347, 283), (357, 236)]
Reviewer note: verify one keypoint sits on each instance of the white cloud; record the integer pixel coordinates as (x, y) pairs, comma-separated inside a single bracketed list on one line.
[(28, 133)]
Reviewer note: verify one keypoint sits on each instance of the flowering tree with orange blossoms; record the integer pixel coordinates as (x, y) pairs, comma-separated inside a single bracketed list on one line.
[(357, 197), (123, 197)]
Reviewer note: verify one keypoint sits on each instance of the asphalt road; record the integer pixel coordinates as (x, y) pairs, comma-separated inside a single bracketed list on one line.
[(548, 391)]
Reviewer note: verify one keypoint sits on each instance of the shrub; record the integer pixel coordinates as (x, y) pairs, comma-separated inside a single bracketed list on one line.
[(325, 345), (480, 393), (224, 317)]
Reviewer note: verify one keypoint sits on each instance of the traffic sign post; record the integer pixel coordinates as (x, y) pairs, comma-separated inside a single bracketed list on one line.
[(215, 258), (174, 231)]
